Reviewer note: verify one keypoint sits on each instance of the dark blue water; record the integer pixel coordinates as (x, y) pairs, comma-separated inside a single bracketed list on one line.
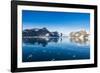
[(54, 49)]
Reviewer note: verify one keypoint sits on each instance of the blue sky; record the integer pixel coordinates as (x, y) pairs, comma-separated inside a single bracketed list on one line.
[(62, 22)]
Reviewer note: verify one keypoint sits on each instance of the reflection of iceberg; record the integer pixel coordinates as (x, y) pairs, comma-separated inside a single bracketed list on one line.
[(80, 42)]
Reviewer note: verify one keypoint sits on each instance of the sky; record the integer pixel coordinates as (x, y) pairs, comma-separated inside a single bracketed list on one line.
[(63, 22)]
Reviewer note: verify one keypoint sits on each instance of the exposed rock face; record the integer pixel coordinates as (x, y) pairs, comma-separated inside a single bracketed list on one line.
[(54, 34), (39, 32)]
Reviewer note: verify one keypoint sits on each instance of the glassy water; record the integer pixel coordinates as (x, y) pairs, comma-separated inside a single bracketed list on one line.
[(54, 49)]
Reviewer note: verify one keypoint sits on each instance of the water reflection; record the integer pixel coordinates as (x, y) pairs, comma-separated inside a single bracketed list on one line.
[(40, 41), (83, 41), (54, 49), (46, 40)]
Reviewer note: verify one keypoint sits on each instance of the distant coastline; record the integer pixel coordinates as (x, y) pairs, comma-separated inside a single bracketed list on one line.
[(43, 32)]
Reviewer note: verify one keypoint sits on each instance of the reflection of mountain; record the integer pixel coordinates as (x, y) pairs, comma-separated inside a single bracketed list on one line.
[(44, 41), (40, 41), (39, 32)]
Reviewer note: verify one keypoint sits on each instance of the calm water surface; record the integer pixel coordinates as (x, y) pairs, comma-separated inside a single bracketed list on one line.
[(54, 49)]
